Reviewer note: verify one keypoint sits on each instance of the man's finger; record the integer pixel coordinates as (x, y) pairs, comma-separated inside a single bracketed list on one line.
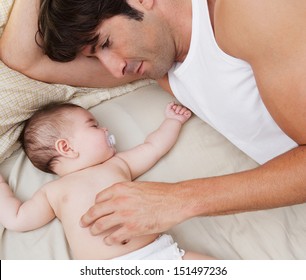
[(93, 214), (105, 223), (104, 195), (120, 236)]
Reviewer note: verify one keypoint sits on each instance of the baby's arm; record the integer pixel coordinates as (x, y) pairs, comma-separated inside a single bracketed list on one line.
[(18, 216), (158, 143)]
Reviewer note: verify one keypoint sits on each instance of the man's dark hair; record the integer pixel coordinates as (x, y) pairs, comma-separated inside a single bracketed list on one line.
[(66, 26)]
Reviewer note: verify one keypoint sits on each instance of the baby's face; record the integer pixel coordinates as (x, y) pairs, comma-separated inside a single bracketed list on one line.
[(89, 139)]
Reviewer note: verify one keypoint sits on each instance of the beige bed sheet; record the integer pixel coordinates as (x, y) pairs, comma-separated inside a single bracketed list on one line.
[(199, 152)]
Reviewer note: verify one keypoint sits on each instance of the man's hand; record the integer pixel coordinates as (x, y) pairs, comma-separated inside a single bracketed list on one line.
[(135, 208)]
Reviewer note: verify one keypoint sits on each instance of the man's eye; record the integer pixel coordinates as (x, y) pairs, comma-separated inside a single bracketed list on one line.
[(105, 44)]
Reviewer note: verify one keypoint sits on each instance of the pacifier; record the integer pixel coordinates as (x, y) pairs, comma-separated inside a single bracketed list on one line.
[(111, 140)]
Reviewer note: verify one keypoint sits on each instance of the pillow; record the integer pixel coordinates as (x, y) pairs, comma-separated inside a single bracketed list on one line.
[(22, 96)]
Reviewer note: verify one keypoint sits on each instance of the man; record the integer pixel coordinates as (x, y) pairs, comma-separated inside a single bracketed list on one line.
[(239, 65)]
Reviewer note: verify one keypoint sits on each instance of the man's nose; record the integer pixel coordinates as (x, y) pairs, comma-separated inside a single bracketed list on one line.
[(113, 63)]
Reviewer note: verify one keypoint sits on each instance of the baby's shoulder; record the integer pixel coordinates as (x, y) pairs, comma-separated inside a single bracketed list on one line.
[(53, 185)]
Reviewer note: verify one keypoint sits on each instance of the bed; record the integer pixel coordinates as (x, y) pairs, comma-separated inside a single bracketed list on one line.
[(200, 152)]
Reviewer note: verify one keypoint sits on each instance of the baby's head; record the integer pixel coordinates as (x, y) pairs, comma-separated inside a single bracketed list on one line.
[(65, 131), (41, 132)]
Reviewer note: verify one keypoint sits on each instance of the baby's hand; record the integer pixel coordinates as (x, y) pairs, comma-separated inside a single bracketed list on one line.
[(177, 112)]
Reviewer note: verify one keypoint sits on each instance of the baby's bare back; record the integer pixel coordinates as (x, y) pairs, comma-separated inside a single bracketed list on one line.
[(72, 195)]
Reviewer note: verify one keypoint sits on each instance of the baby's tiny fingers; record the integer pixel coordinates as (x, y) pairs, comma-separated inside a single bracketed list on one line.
[(178, 109), (183, 110), (170, 106)]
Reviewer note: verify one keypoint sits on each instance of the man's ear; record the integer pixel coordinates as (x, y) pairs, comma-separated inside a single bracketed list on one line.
[(147, 4), (64, 149)]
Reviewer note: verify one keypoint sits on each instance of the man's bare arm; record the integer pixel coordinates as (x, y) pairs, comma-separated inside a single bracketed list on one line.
[(19, 51), (280, 182)]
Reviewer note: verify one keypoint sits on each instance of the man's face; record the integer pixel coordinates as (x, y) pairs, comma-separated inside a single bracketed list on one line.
[(126, 46)]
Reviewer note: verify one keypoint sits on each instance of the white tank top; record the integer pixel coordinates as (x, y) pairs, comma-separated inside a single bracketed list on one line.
[(222, 91)]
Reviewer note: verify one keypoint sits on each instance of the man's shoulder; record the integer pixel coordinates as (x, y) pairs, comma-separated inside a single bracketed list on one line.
[(244, 28), (234, 24)]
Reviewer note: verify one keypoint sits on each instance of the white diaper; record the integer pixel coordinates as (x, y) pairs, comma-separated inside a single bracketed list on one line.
[(163, 248)]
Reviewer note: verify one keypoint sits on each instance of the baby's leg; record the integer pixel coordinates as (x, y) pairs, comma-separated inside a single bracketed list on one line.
[(196, 256)]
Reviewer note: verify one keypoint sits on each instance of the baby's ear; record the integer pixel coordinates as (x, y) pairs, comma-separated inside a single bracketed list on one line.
[(64, 149)]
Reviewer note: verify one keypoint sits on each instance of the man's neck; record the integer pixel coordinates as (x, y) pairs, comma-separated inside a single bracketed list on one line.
[(211, 10), (183, 39), (179, 14)]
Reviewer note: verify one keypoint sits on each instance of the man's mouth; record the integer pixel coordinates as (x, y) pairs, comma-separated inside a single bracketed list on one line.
[(139, 69)]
